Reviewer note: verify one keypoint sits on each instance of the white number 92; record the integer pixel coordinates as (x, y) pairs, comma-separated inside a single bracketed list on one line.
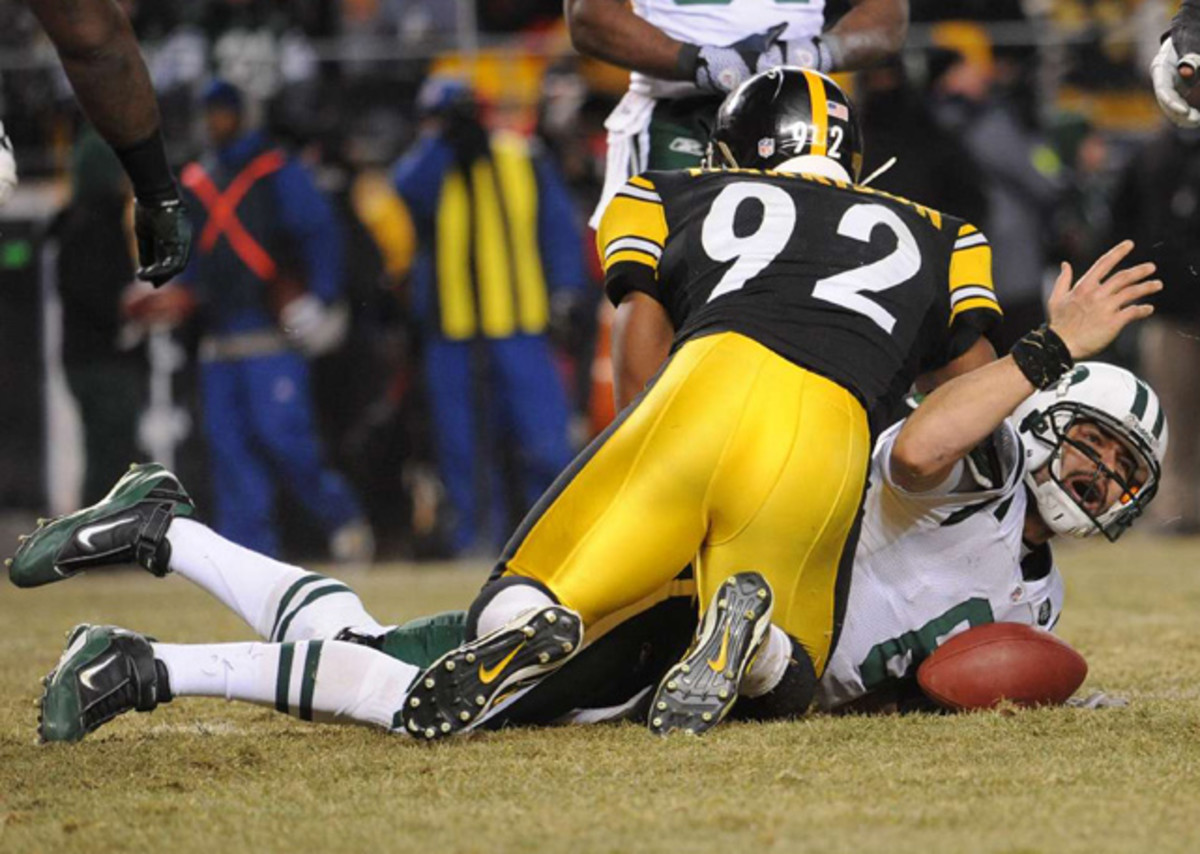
[(751, 253)]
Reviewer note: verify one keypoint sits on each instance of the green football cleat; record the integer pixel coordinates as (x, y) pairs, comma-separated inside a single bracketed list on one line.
[(698, 692), (104, 672), (129, 525)]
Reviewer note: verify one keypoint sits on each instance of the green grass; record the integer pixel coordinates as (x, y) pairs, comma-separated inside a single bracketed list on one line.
[(205, 775)]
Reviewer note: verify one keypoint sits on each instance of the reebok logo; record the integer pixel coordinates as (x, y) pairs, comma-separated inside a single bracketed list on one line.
[(84, 536)]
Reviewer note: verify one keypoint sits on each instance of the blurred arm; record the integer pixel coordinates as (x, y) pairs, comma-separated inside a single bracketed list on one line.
[(609, 30), (312, 225), (869, 33), (642, 335), (101, 58)]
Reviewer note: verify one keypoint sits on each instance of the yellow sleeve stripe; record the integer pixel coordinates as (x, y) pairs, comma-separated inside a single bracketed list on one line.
[(977, 302), (644, 183), (630, 255), (632, 224), (971, 266), (966, 229)]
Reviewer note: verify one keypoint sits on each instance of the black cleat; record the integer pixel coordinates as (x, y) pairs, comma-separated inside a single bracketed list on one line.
[(104, 672), (467, 685), (698, 692), (129, 525)]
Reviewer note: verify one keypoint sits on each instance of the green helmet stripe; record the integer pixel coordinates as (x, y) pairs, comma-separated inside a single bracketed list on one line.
[(1159, 422), (1140, 399)]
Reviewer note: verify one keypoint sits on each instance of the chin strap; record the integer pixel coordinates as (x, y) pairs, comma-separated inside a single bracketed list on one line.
[(891, 161)]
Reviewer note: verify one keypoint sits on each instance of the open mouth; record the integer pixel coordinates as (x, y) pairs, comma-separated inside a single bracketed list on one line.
[(1087, 492)]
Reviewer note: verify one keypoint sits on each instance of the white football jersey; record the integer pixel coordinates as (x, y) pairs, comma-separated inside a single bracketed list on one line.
[(931, 565), (721, 23)]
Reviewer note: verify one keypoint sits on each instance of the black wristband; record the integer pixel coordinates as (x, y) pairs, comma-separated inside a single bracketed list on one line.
[(146, 165), (1042, 356), (685, 63)]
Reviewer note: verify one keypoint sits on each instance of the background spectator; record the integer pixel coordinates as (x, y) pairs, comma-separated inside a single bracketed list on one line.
[(496, 237), (104, 363)]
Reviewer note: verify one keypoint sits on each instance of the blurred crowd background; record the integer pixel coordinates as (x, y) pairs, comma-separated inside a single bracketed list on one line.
[(433, 425)]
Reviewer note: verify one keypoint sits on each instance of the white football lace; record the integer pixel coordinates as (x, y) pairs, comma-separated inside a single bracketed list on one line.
[(891, 161)]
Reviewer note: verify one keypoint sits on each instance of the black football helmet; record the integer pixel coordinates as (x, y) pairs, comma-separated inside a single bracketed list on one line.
[(784, 113)]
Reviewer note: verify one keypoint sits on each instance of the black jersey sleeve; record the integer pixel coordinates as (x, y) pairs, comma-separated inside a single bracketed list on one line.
[(630, 240)]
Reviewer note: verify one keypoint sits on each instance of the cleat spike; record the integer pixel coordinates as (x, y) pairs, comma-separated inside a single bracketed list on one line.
[(445, 727), (429, 683), (529, 631), (723, 694), (414, 726), (430, 732), (480, 700), (568, 646), (672, 685), (470, 657), (662, 707), (750, 615), (543, 657), (414, 702), (707, 716), (449, 666), (720, 603), (551, 618), (8, 561), (683, 668), (762, 594), (657, 722), (42, 521), (464, 716)]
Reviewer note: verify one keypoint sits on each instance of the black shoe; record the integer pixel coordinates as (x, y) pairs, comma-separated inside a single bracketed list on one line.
[(700, 690), (104, 672), (129, 525), (467, 685)]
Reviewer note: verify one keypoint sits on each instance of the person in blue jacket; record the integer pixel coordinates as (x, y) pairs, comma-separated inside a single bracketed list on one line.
[(266, 275), (497, 245)]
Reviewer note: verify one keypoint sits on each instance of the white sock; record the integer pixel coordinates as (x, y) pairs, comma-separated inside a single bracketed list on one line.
[(279, 601), (312, 680), (769, 665), (507, 604)]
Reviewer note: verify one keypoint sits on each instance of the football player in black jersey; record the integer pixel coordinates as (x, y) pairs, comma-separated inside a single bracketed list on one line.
[(799, 300)]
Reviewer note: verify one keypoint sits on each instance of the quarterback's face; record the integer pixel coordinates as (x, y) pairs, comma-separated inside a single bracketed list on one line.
[(1098, 468)]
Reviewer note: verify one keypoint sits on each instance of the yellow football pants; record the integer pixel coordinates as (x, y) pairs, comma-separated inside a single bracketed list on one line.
[(735, 459)]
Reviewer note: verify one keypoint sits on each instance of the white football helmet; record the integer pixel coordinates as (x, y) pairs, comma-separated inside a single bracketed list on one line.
[(1124, 407)]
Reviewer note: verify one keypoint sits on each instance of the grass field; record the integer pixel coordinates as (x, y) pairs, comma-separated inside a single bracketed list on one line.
[(207, 775)]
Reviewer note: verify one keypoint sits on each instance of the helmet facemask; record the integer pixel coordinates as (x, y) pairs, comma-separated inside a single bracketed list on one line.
[(1066, 499)]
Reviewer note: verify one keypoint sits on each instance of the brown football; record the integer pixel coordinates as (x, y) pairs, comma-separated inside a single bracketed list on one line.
[(1002, 661)]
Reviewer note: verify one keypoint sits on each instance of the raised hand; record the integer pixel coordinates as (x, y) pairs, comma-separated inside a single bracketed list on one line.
[(1089, 315)]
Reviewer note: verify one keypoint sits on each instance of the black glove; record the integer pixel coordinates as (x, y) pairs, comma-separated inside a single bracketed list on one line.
[(164, 240)]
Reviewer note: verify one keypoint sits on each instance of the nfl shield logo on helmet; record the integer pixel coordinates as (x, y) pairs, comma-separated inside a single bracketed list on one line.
[(766, 147)]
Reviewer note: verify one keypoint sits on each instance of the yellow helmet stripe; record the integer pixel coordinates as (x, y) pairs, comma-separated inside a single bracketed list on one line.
[(820, 113)]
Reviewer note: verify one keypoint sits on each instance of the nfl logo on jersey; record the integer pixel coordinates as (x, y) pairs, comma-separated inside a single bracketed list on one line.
[(766, 147)]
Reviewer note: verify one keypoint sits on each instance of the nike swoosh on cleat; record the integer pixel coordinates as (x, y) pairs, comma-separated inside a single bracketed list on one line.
[(86, 675), (718, 664), (84, 537), (487, 675)]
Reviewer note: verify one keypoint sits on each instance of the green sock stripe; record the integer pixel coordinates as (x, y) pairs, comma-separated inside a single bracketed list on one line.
[(335, 587), (283, 680), (308, 681), (287, 599)]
